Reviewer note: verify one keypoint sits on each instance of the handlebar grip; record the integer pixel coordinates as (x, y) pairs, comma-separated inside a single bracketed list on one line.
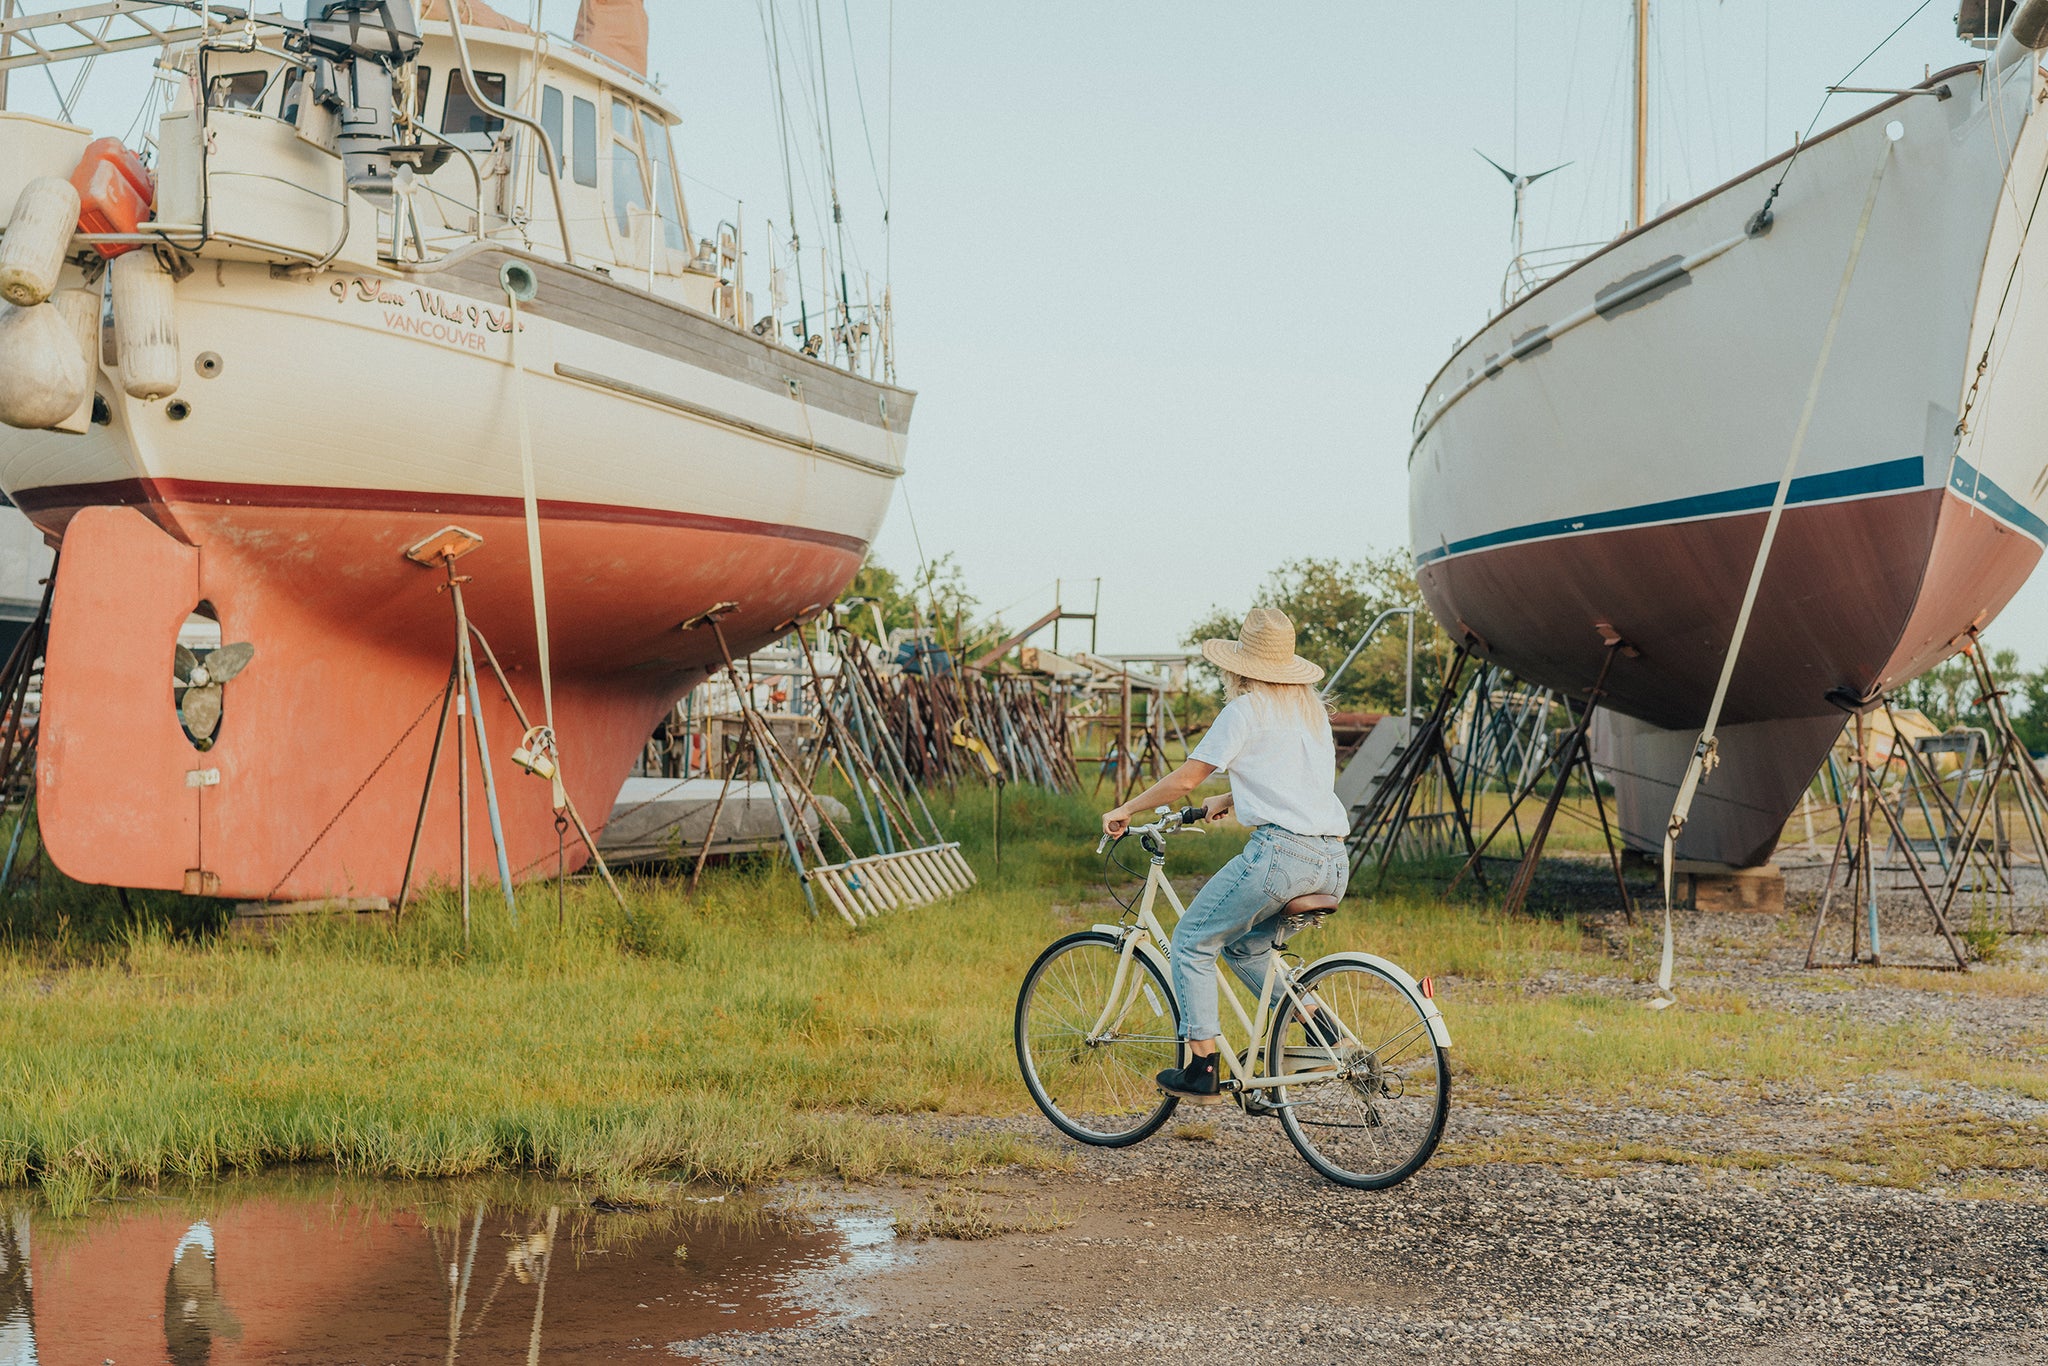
[(1193, 815)]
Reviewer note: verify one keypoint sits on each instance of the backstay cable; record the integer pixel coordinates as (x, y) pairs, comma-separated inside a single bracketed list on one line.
[(1706, 751)]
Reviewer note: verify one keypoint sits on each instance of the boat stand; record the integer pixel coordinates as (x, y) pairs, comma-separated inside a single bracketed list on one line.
[(1866, 795), (1573, 757), (2010, 766), (1377, 830), (464, 699), (858, 888), (21, 675)]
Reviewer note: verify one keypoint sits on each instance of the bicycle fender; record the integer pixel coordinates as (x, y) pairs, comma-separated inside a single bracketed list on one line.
[(1438, 1030), (1146, 949)]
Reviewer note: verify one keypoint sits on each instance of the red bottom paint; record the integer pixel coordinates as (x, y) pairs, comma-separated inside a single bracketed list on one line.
[(1859, 597), (315, 780)]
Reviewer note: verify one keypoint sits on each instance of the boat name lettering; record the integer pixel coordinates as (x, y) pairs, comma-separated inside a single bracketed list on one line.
[(435, 329), (427, 301)]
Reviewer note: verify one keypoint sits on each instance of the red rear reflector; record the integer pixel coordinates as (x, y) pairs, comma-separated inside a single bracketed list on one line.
[(1429, 988)]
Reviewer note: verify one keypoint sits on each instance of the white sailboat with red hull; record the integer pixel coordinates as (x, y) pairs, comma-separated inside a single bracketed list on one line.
[(1598, 463), (304, 364)]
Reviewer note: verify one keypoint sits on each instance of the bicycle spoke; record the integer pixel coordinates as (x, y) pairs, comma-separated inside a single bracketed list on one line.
[(1097, 1087), (1381, 1119)]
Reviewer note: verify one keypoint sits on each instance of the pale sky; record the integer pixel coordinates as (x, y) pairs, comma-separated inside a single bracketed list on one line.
[(1170, 278)]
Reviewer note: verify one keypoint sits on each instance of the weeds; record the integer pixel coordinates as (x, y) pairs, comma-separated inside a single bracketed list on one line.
[(966, 1216)]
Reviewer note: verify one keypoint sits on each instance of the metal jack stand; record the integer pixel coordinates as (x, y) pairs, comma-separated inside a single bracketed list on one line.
[(1376, 833), (1866, 794), (2010, 762), (1573, 756), (464, 699)]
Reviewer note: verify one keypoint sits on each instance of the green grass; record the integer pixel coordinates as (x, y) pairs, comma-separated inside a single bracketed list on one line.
[(733, 1039)]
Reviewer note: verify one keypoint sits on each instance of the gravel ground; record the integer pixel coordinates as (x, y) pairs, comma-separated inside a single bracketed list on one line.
[(1227, 1248), (1230, 1250)]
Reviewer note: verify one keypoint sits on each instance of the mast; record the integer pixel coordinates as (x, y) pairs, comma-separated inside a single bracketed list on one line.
[(1642, 177)]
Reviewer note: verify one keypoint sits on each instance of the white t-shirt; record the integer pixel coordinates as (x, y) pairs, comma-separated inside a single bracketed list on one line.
[(1283, 769)]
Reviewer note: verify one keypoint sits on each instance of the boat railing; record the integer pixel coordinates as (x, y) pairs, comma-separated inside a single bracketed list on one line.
[(1532, 270)]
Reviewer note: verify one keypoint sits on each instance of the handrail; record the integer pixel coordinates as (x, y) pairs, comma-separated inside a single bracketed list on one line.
[(1408, 701), (492, 107)]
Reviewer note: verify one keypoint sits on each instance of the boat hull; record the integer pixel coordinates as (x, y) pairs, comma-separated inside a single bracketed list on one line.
[(680, 465), (1599, 462)]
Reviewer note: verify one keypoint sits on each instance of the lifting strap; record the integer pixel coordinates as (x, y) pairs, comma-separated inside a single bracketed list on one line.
[(1706, 751), (545, 746)]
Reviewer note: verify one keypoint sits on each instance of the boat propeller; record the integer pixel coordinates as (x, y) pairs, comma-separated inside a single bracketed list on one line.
[(200, 676)]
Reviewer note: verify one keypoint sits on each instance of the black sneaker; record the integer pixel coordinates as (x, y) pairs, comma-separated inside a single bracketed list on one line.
[(1196, 1081), (1322, 1028)]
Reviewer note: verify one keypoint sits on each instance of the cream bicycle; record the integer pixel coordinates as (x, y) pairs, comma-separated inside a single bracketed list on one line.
[(1354, 1062)]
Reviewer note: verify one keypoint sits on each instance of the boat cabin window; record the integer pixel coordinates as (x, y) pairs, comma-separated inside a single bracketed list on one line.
[(551, 121), (423, 77), (461, 115), (629, 176), (237, 90), (584, 151), (674, 230), (294, 87)]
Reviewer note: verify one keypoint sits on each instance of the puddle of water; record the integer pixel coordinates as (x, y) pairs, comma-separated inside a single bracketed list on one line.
[(340, 1271)]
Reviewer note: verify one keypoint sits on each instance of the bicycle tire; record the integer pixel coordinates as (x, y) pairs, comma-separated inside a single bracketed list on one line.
[(1386, 1024), (1056, 1057)]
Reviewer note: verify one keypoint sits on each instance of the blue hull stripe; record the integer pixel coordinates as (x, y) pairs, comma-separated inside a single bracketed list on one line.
[(1890, 476), (1979, 489)]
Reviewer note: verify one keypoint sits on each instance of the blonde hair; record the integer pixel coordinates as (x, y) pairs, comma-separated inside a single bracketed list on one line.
[(1295, 701)]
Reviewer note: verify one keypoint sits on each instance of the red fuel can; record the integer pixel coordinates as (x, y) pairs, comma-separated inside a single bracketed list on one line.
[(115, 192)]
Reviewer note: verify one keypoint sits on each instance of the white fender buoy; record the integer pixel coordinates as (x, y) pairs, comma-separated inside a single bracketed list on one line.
[(81, 311), (145, 325), (41, 371), (32, 253)]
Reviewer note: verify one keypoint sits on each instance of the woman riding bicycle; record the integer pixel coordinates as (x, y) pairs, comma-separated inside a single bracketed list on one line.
[(1273, 738)]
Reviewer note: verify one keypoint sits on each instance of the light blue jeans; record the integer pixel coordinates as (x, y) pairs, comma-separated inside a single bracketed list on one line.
[(1237, 914)]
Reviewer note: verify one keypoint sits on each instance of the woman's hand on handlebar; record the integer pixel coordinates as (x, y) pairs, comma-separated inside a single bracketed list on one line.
[(1114, 823), (1217, 807)]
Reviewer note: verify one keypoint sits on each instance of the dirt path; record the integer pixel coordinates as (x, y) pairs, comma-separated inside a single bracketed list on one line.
[(1213, 1242), (1230, 1250)]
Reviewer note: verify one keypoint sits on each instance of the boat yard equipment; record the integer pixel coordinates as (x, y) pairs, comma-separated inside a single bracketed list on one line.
[(464, 698), (22, 675), (858, 887), (1866, 795)]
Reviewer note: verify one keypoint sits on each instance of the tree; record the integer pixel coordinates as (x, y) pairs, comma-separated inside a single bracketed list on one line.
[(1331, 602), (937, 600)]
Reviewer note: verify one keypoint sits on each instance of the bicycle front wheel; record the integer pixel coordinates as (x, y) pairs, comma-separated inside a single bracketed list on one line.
[(1090, 1061), (1378, 1121)]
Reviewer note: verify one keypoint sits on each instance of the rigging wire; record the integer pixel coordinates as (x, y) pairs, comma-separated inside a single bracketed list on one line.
[(860, 102), (770, 32), (832, 162), (1762, 220)]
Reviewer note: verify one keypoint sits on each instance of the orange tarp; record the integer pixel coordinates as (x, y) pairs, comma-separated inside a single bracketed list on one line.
[(617, 28), (473, 13)]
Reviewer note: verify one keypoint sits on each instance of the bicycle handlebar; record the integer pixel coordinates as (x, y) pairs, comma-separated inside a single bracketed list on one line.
[(1169, 820)]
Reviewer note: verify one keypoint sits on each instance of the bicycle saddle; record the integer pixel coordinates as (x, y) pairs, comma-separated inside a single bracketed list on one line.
[(1316, 903)]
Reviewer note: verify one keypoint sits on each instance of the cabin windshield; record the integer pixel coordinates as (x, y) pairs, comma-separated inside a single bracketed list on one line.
[(675, 230), (629, 183)]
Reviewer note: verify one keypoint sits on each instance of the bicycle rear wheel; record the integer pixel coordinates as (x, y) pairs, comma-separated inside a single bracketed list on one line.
[(1379, 1121), (1091, 1064)]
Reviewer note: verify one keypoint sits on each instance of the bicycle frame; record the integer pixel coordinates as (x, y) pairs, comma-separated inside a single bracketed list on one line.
[(1145, 934)]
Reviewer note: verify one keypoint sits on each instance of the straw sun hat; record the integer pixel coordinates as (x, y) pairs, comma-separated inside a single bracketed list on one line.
[(1264, 649)]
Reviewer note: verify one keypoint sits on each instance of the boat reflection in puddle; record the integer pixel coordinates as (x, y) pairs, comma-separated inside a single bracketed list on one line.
[(413, 1273)]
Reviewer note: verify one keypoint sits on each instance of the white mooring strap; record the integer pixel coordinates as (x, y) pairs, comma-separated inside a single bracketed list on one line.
[(1706, 752), (531, 502)]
